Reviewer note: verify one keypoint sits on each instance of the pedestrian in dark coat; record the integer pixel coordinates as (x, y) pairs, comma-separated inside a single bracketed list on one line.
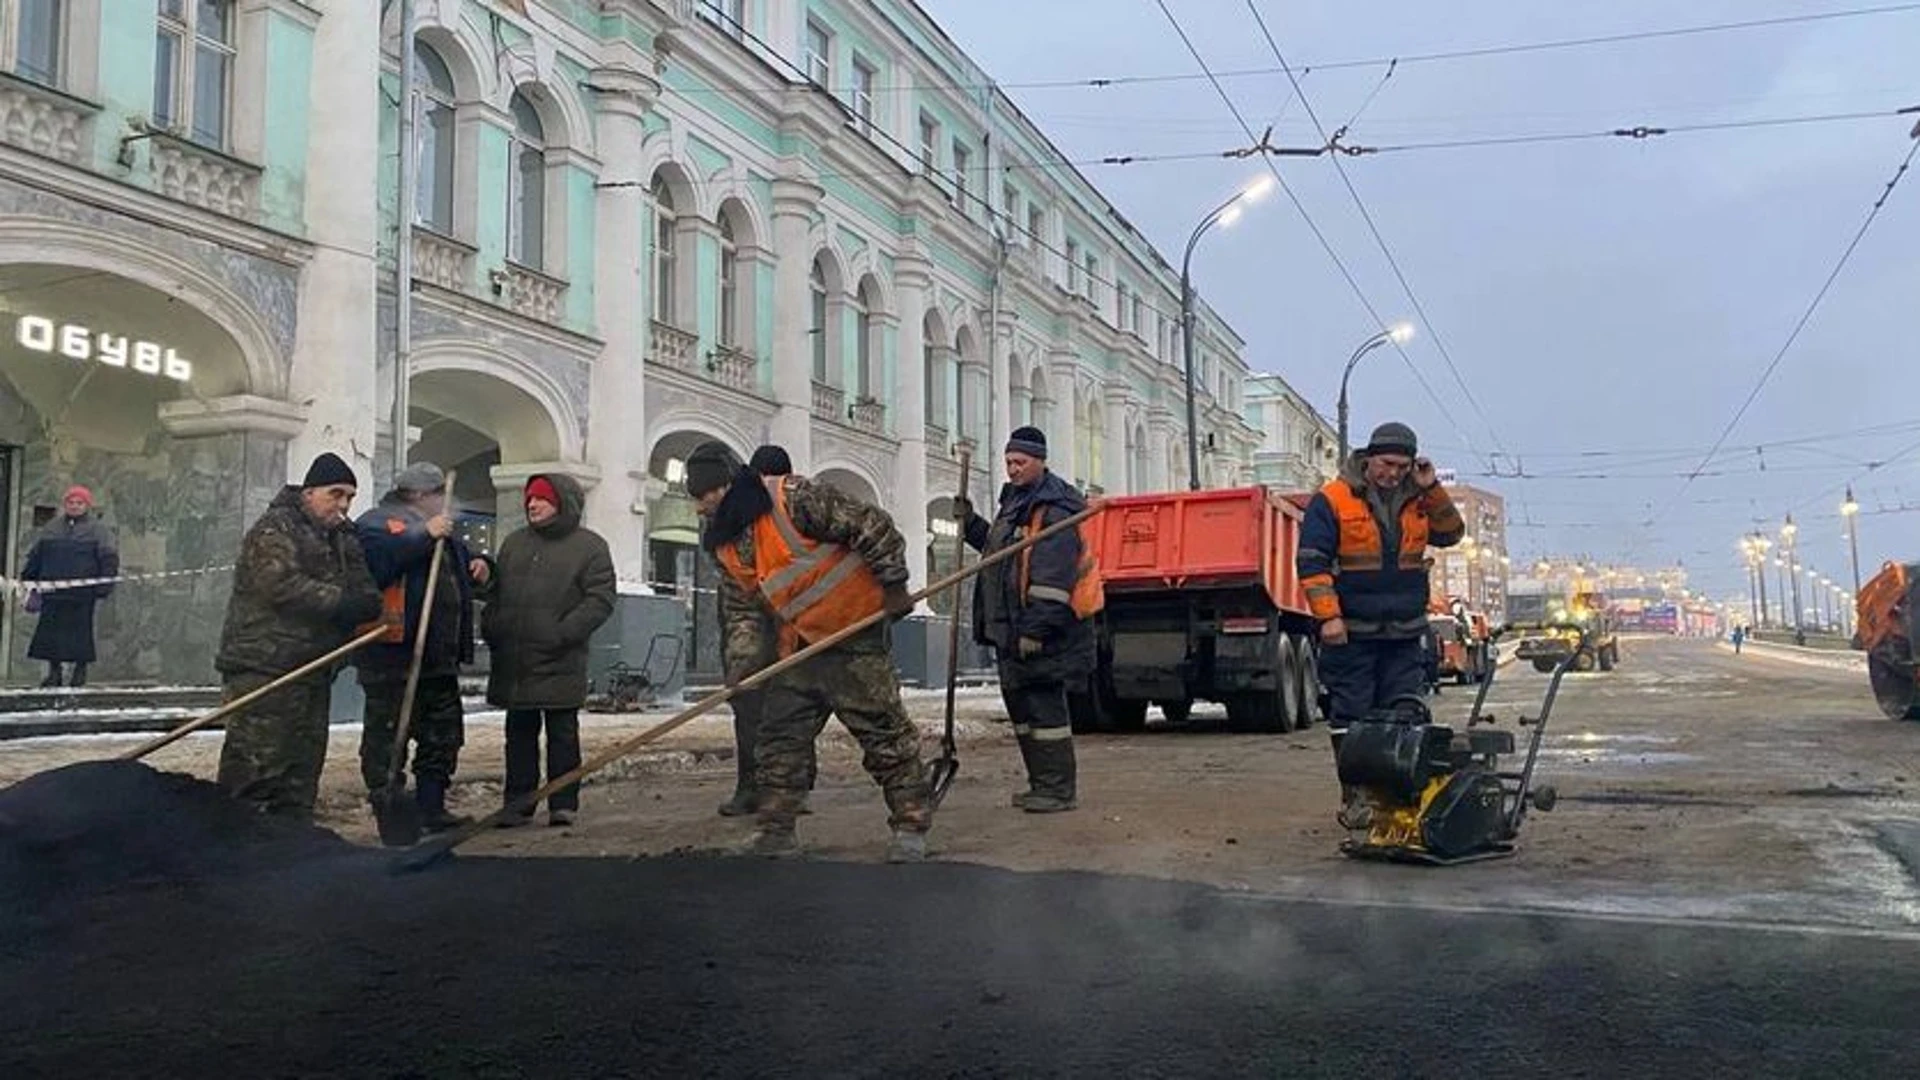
[(553, 586), (73, 546), (399, 537), (300, 590), (1023, 607)]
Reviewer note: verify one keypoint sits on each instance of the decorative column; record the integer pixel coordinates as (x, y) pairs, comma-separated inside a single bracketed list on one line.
[(1000, 424), (616, 444), (335, 370), (794, 203), (1159, 431), (1114, 454), (910, 277), (1062, 425)]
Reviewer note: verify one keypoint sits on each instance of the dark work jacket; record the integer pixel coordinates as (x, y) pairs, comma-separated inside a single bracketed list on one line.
[(552, 587), (394, 537), (1001, 615), (66, 549), (1382, 593), (299, 590)]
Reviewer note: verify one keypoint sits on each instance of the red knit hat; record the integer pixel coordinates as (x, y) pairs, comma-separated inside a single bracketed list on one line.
[(541, 488), (80, 492)]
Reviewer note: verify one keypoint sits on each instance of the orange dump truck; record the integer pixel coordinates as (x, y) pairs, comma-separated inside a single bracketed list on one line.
[(1889, 630), (1203, 604)]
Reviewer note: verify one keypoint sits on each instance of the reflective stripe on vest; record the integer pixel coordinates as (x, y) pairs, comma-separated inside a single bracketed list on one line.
[(814, 587), (1360, 539)]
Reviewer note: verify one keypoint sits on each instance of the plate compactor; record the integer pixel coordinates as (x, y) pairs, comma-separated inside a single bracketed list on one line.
[(1438, 796)]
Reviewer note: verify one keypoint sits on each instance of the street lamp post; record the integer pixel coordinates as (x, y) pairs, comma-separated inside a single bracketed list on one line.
[(1789, 530), (1753, 592), (1225, 214), (1398, 333), (1851, 511), (1760, 546)]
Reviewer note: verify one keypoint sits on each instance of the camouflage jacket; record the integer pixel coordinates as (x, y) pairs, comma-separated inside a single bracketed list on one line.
[(819, 512), (299, 589)]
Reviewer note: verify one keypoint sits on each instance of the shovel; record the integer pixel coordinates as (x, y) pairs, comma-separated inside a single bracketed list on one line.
[(942, 770), (394, 810)]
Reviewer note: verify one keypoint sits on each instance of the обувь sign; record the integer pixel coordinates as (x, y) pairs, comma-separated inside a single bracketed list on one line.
[(77, 342)]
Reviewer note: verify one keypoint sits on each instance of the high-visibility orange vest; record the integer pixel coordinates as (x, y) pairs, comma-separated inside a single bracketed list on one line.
[(1088, 595), (815, 588), (1360, 534)]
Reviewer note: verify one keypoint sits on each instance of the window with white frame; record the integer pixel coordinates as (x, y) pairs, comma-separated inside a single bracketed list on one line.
[(929, 143), (1093, 279), (962, 164), (526, 184), (729, 15), (433, 182), (39, 40), (864, 301), (1073, 267), (193, 69), (862, 94), (664, 226), (819, 54), (1036, 224), (1010, 202), (729, 284), (1139, 316), (1120, 308), (817, 319)]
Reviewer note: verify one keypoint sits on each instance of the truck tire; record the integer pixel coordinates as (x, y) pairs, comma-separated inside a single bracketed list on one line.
[(1126, 715), (1286, 679), (1083, 710), (1262, 712), (1176, 712), (1607, 658), (1544, 667), (1583, 662), (1306, 684), (1893, 684)]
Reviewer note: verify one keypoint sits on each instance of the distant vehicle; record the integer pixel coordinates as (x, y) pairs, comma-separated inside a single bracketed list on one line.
[(1460, 643), (1545, 645)]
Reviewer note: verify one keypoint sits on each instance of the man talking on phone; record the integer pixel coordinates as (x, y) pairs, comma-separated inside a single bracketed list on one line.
[(1362, 561)]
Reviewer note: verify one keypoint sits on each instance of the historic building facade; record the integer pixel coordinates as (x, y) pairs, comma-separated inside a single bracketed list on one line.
[(1298, 447), (634, 225)]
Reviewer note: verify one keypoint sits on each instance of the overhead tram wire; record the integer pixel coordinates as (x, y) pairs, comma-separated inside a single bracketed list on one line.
[(1312, 226), (1806, 317), (1481, 52), (1427, 324)]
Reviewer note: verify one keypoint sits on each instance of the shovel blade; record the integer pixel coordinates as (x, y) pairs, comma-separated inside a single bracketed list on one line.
[(939, 778), (397, 816)]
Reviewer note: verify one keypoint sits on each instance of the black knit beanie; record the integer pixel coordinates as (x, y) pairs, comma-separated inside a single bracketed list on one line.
[(710, 467), (1030, 441), (329, 469)]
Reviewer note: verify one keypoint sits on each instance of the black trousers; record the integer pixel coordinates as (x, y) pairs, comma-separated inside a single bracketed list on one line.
[(1365, 675), (523, 753)]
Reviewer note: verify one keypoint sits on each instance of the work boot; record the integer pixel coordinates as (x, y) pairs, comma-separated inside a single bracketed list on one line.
[(907, 846), (79, 675), (1020, 798), (430, 795), (742, 804), (746, 733), (53, 676), (558, 818), (1055, 774), (772, 842)]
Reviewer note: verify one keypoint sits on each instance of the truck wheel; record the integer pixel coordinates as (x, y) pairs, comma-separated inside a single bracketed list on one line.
[(1176, 712), (1606, 659), (1083, 711), (1893, 686), (1306, 684), (1544, 667), (1286, 680), (1258, 713), (1583, 662), (1126, 715)]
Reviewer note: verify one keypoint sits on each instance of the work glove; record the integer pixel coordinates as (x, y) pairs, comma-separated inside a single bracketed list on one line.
[(1029, 647), (897, 601)]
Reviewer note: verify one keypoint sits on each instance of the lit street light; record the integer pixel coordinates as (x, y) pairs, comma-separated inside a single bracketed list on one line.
[(1226, 214), (1851, 511), (1399, 334), (1788, 531)]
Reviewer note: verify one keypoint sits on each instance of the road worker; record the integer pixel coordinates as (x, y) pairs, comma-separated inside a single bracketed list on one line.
[(1028, 610), (800, 562), (1362, 561)]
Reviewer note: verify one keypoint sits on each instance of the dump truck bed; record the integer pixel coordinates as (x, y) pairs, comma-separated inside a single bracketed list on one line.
[(1219, 539)]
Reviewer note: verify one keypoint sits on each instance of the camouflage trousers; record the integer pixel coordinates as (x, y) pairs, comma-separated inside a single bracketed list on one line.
[(275, 748), (437, 731), (859, 687)]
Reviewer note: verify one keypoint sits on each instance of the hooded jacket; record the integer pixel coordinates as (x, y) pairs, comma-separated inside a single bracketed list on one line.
[(399, 551), (1001, 615), (70, 548), (299, 590), (1362, 552), (552, 586)]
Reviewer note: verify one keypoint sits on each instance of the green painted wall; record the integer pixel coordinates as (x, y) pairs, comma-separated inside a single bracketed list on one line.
[(582, 235), (283, 189), (490, 195)]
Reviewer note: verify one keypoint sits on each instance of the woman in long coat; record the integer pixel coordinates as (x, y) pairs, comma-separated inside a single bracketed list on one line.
[(74, 545)]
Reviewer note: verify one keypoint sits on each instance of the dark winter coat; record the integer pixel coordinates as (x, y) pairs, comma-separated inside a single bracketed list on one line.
[(70, 548), (552, 587), (1382, 593), (299, 590), (1002, 615), (399, 552)]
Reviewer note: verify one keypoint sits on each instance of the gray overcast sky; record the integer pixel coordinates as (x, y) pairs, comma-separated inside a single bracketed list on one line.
[(1608, 297)]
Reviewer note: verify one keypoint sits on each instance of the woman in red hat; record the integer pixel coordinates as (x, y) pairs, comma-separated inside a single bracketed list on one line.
[(73, 546)]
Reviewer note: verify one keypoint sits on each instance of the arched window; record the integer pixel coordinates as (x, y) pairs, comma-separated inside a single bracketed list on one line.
[(817, 321), (526, 184), (664, 226), (867, 341), (729, 283), (433, 187)]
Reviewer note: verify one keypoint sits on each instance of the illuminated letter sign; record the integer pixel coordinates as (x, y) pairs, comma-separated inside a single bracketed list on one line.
[(77, 342)]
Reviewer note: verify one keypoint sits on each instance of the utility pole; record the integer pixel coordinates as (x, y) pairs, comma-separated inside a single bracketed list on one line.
[(403, 244)]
